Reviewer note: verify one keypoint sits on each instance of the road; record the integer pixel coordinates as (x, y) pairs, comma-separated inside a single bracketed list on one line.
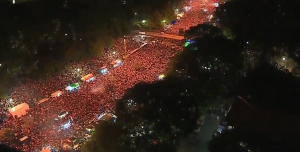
[(168, 36), (208, 127)]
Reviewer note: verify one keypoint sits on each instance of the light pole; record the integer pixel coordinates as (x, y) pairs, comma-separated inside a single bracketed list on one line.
[(125, 49)]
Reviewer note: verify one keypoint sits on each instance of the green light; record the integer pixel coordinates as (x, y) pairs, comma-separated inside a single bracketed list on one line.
[(186, 44)]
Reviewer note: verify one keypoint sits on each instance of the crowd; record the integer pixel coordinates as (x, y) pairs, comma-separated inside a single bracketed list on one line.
[(196, 12), (96, 97)]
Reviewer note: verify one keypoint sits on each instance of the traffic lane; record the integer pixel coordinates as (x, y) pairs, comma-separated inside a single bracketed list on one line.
[(207, 129)]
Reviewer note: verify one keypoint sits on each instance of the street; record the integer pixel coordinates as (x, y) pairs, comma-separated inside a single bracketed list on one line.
[(208, 127)]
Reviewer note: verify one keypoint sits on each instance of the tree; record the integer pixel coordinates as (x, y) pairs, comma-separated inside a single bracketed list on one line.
[(250, 21), (202, 31), (208, 51), (8, 149), (6, 134), (105, 139), (268, 26), (269, 88), (157, 115), (244, 140)]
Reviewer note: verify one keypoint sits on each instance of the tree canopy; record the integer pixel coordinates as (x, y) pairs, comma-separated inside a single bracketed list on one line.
[(266, 27), (105, 139), (269, 88), (6, 133), (270, 22), (207, 50), (154, 117), (158, 114), (243, 140)]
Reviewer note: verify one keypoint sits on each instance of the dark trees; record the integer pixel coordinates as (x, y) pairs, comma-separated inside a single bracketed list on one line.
[(243, 140), (265, 27), (269, 88)]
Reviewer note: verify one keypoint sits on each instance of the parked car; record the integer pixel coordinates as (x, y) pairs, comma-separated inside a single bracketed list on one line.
[(219, 131)]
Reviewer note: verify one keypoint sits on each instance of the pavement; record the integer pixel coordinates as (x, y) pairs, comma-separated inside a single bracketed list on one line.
[(204, 136)]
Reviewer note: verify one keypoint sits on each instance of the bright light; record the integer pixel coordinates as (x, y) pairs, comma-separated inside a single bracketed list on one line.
[(114, 52), (284, 58), (104, 71), (162, 76), (0, 64), (78, 70), (143, 21), (164, 21), (10, 100), (13, 1), (135, 13)]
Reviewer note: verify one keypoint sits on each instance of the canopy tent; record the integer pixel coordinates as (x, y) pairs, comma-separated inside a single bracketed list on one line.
[(56, 94), (43, 100), (23, 138), (19, 110), (87, 77), (46, 150), (65, 125), (72, 86), (103, 70), (116, 63)]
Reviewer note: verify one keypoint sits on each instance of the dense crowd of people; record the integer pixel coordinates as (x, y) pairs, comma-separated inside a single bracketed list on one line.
[(196, 12), (143, 59)]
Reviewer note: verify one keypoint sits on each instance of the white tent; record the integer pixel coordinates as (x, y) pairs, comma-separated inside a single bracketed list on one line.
[(56, 94), (23, 138), (43, 100), (46, 150), (19, 110)]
